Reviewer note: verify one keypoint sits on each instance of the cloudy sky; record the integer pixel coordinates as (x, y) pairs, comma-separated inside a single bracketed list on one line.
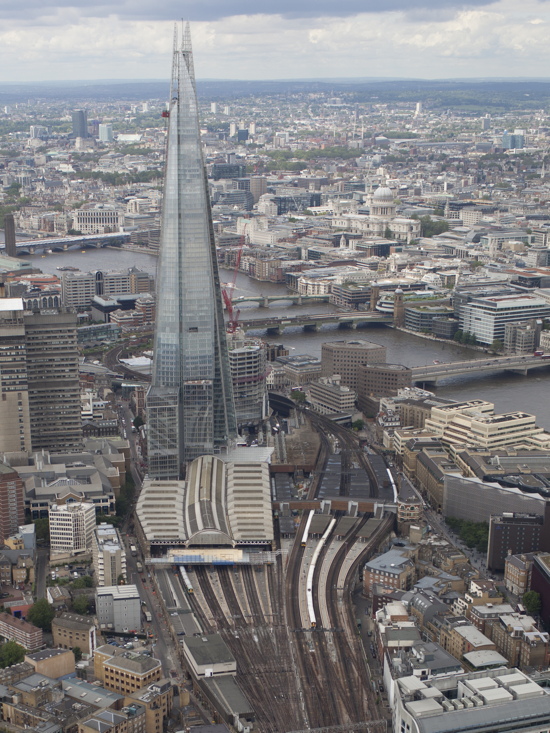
[(131, 39)]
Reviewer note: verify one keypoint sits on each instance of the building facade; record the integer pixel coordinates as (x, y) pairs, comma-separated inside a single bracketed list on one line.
[(190, 406), (109, 556), (345, 357), (71, 528), (118, 607)]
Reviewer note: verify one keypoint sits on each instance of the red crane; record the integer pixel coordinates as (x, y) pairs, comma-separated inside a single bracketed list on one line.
[(227, 292)]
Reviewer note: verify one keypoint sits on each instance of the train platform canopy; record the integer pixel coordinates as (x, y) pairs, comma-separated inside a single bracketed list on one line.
[(219, 505), (319, 523), (208, 655), (371, 526), (345, 525), (226, 695)]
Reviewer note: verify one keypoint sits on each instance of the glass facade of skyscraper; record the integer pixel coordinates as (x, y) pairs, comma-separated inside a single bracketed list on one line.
[(190, 407)]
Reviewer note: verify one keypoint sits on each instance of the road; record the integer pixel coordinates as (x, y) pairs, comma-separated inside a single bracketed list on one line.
[(41, 571)]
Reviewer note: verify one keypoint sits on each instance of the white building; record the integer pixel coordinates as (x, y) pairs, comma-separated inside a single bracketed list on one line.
[(106, 134), (329, 396), (98, 219), (71, 527), (109, 556), (478, 702), (118, 607), (486, 318)]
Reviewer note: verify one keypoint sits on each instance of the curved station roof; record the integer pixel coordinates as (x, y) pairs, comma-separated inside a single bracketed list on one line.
[(219, 505)]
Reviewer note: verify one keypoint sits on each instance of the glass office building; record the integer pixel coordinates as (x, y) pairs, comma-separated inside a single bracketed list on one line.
[(190, 408)]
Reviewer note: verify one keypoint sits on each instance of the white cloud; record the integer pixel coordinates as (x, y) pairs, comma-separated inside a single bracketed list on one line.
[(502, 39)]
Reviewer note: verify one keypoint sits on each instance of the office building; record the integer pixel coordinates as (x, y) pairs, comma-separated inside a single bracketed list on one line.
[(345, 357), (489, 702), (382, 380), (71, 528), (328, 396), (15, 427), (40, 379), (118, 607), (109, 556), (517, 573), (248, 366), (78, 289), (53, 379), (106, 134), (9, 235), (512, 533), (513, 140), (98, 219), (12, 502), (486, 318), (80, 123), (190, 407)]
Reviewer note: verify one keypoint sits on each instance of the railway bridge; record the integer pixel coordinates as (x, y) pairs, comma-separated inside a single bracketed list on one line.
[(275, 326)]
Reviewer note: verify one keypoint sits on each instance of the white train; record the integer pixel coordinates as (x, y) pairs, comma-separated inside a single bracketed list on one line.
[(394, 487), (308, 525), (311, 573), (185, 578)]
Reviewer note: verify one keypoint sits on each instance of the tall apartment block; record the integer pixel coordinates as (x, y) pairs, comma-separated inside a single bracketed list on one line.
[(109, 556), (12, 502), (190, 407), (39, 379)]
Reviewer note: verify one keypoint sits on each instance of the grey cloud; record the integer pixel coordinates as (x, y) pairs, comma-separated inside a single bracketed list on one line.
[(212, 10)]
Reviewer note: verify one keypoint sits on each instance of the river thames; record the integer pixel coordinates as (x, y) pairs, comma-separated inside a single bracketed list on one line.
[(507, 391)]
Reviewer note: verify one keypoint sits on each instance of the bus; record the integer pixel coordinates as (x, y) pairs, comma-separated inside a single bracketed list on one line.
[(133, 550)]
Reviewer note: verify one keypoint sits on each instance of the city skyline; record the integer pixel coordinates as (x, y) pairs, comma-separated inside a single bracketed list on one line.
[(406, 40)]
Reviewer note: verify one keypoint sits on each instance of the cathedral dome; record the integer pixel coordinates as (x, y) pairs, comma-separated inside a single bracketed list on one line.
[(383, 193)]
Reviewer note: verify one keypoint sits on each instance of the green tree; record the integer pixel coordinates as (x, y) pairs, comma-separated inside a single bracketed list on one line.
[(138, 422), (81, 605), (85, 581), (388, 233), (11, 653), (532, 602), (430, 228), (41, 614), (459, 335), (42, 529), (497, 345), (358, 424), (298, 396), (77, 651)]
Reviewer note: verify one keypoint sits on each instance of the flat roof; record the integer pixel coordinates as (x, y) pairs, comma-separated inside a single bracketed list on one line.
[(11, 304), (208, 649)]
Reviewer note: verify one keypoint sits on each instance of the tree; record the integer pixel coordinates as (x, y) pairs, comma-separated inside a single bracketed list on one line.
[(81, 605), (532, 602), (11, 653), (459, 335), (138, 422), (41, 614), (298, 396), (497, 345), (388, 233), (42, 528), (85, 581), (77, 651), (358, 424)]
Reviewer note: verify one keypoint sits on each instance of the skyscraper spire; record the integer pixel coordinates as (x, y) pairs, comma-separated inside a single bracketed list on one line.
[(190, 407)]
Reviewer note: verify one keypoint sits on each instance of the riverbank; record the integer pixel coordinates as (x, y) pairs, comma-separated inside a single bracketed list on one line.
[(431, 337)]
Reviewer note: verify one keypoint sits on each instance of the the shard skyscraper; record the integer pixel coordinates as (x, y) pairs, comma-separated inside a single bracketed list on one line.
[(190, 408)]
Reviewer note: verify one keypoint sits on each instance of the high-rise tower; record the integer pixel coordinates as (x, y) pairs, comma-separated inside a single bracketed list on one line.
[(190, 408)]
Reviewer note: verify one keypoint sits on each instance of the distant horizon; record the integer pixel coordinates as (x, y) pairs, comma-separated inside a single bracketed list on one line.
[(279, 80)]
